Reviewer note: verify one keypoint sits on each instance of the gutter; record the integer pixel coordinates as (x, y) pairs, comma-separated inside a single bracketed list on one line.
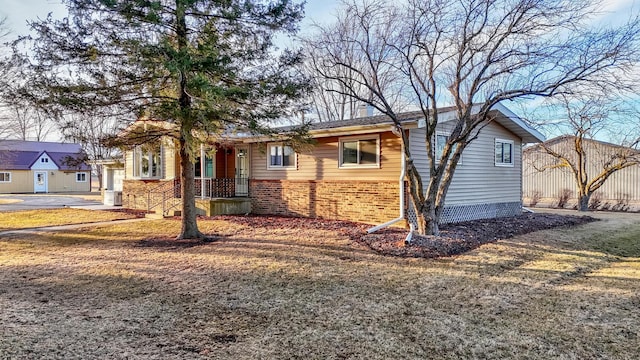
[(402, 201)]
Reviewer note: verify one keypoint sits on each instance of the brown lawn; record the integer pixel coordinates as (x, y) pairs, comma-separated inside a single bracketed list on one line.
[(299, 293), (38, 218)]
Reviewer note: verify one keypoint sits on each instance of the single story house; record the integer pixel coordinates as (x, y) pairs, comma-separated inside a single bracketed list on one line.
[(353, 172), (42, 167), (621, 191)]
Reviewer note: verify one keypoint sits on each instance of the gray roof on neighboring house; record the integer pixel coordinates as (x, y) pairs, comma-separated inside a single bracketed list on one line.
[(21, 155)]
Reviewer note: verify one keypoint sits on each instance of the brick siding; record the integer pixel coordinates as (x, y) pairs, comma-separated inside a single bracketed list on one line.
[(363, 201)]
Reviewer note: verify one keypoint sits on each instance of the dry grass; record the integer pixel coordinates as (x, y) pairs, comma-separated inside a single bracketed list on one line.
[(38, 218), (308, 294), (9, 201)]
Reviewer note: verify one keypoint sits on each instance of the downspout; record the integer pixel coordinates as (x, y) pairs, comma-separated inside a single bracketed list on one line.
[(402, 200)]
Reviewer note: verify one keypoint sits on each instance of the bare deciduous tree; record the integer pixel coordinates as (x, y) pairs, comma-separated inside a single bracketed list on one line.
[(330, 99), (91, 131), (591, 162), (25, 122), (472, 54)]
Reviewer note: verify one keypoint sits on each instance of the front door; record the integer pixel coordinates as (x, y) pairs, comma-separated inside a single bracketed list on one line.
[(40, 182), (242, 171)]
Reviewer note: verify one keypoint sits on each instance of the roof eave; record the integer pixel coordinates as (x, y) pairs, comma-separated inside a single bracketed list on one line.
[(341, 131), (516, 125)]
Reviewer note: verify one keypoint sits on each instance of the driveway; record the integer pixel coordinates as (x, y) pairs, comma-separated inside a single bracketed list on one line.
[(31, 202)]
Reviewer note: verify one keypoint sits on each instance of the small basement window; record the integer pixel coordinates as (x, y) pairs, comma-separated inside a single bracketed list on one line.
[(280, 156), (362, 152), (503, 152), (81, 177), (5, 177)]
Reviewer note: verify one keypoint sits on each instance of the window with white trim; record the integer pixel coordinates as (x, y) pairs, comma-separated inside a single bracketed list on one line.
[(362, 152), (5, 177), (146, 164), (280, 156), (81, 177), (441, 141), (503, 152)]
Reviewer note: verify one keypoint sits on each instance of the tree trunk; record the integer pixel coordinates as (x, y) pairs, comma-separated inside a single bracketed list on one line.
[(431, 221), (583, 202), (189, 225)]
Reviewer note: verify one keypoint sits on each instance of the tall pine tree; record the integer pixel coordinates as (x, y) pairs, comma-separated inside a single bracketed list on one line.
[(206, 66)]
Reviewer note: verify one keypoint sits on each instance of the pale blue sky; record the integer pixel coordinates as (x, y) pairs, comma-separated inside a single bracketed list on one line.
[(18, 12)]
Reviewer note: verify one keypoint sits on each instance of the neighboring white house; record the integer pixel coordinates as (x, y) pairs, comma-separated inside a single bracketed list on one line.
[(42, 167)]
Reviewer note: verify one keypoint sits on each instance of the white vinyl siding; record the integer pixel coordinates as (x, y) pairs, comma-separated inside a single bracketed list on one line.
[(479, 181), (44, 163)]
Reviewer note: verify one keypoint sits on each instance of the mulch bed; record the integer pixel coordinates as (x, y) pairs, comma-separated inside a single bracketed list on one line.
[(461, 237), (454, 239)]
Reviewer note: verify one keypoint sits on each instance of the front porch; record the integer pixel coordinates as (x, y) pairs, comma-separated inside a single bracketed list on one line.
[(222, 196), (221, 183)]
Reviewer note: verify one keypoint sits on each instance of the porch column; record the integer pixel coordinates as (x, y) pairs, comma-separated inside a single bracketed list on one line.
[(202, 161)]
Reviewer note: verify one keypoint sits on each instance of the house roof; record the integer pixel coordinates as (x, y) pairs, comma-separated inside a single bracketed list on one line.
[(504, 117), (21, 155)]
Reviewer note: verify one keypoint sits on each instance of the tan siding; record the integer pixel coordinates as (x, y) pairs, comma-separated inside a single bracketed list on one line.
[(57, 181), (477, 180), (21, 182), (65, 181), (321, 163), (169, 162), (549, 183), (128, 165)]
